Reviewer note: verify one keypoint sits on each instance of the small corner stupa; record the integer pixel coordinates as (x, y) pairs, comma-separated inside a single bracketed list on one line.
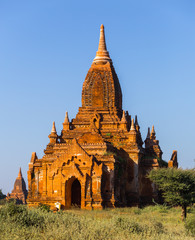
[(98, 160), (19, 192)]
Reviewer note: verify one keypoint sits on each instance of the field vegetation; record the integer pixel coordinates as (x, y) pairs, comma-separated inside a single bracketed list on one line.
[(153, 222)]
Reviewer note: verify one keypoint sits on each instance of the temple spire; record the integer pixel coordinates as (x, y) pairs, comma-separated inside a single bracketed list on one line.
[(148, 135), (53, 128), (132, 125), (123, 119), (20, 174), (66, 120), (153, 133), (102, 55), (136, 121)]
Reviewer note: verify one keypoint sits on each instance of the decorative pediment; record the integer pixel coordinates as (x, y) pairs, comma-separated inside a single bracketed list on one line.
[(75, 159), (91, 138)]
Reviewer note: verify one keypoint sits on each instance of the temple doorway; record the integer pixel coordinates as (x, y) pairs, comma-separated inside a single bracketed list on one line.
[(76, 193)]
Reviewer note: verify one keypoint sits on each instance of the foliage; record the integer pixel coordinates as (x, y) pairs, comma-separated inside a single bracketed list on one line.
[(190, 225), (19, 214), (177, 185), (21, 222), (44, 207), (2, 196)]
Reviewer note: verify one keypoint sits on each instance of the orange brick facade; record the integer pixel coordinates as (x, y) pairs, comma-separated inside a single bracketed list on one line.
[(99, 159)]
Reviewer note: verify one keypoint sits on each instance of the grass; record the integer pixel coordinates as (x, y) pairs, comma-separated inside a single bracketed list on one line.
[(153, 222)]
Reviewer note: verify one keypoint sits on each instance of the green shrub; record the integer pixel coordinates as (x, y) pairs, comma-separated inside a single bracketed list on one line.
[(190, 225), (19, 214), (137, 211), (129, 226), (44, 207)]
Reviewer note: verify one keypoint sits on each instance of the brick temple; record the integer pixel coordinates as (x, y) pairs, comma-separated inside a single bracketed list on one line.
[(19, 192), (99, 159)]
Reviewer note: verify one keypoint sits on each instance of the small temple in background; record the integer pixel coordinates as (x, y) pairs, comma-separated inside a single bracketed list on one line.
[(19, 193), (99, 159)]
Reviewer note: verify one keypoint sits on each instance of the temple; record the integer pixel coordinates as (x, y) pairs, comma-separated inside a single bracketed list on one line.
[(19, 193), (98, 160)]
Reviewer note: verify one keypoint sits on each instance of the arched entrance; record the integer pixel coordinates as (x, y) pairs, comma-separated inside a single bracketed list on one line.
[(72, 192), (76, 193)]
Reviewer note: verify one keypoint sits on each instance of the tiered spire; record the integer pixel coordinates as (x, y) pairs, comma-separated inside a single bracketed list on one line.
[(132, 125), (20, 174), (66, 123), (137, 127), (102, 55), (148, 135), (136, 122), (123, 119), (150, 142), (53, 128), (153, 133), (19, 192), (53, 136), (66, 120), (133, 134)]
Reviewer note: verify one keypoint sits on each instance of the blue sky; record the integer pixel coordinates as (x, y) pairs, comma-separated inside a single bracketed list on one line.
[(47, 47)]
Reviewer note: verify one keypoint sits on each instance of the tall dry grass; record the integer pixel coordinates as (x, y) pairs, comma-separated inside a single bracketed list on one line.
[(155, 222)]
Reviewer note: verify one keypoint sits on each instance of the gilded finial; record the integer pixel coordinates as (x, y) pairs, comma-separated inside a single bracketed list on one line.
[(102, 55)]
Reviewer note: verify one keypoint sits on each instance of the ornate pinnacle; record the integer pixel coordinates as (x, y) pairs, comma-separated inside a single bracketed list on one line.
[(66, 120), (153, 133), (148, 135), (136, 122), (102, 55), (53, 128), (123, 119), (132, 125), (20, 174)]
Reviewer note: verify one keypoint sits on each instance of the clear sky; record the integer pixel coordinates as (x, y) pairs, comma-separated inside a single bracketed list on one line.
[(47, 47)]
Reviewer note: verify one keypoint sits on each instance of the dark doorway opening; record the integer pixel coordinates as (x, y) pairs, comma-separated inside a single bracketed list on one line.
[(76, 193)]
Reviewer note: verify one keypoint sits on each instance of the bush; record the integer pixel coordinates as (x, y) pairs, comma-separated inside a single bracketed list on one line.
[(44, 207), (19, 214), (190, 225), (129, 226)]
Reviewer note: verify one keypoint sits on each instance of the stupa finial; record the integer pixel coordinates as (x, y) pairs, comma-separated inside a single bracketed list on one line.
[(102, 55), (153, 133), (53, 128), (123, 119), (66, 120), (20, 174), (132, 125)]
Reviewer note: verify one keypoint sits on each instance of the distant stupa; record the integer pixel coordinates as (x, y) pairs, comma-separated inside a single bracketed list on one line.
[(19, 192)]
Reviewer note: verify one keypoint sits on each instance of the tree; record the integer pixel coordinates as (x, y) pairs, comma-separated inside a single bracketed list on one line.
[(177, 186), (2, 196)]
